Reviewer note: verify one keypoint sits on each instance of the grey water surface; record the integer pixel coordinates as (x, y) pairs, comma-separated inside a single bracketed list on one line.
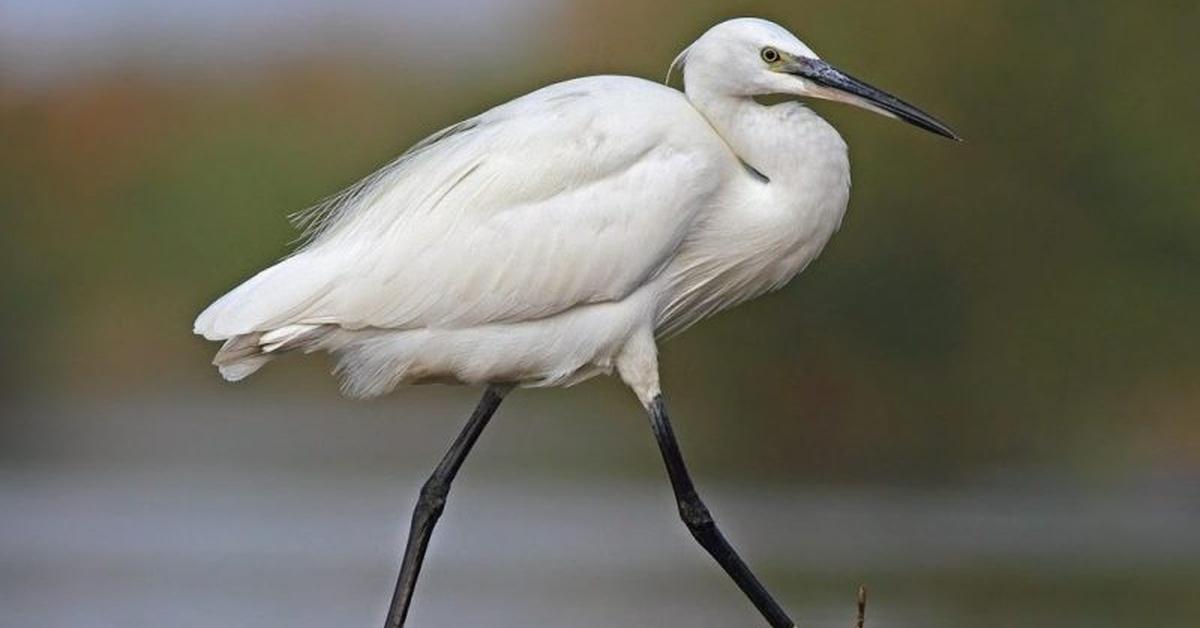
[(264, 513)]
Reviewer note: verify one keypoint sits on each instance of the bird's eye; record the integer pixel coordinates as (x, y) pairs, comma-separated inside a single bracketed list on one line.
[(769, 54)]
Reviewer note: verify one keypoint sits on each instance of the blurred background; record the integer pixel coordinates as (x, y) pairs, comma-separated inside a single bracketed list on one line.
[(983, 401)]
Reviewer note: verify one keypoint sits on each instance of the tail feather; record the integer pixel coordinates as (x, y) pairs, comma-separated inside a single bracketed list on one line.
[(244, 354), (245, 367), (237, 348), (273, 298), (257, 319)]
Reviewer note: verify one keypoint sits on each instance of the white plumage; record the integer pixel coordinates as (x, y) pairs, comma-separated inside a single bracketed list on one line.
[(556, 236)]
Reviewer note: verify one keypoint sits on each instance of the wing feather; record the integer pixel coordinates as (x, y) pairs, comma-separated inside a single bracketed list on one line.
[(577, 193)]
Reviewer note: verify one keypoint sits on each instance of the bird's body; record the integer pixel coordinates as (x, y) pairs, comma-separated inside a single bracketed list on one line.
[(531, 243), (558, 236)]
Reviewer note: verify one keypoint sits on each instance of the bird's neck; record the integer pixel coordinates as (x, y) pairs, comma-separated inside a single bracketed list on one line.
[(787, 142), (788, 219)]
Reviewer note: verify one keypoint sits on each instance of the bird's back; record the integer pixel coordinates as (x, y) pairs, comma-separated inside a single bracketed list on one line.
[(573, 196)]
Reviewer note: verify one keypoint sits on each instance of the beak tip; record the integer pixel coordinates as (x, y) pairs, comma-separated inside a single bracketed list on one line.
[(948, 133)]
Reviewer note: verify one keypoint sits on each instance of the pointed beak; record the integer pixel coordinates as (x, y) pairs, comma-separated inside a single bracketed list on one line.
[(833, 84)]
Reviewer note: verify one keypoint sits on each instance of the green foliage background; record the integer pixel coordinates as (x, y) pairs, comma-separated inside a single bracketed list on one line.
[(1025, 300)]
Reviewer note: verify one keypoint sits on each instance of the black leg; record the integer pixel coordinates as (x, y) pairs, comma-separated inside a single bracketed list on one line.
[(695, 515), (433, 499)]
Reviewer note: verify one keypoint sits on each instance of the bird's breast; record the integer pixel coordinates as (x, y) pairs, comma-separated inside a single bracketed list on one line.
[(757, 236)]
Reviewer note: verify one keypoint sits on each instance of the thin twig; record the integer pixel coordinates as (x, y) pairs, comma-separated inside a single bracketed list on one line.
[(862, 605)]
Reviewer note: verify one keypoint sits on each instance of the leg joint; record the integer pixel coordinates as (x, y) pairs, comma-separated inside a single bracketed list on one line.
[(433, 495), (694, 513)]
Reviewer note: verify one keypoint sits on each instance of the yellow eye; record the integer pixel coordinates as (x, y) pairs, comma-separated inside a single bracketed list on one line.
[(769, 54)]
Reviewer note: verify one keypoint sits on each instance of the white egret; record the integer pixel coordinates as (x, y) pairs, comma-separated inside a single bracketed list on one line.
[(558, 236)]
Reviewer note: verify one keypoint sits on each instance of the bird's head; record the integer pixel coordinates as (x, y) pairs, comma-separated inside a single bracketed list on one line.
[(751, 57)]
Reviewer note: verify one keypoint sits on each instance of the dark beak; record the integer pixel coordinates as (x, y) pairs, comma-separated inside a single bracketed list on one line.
[(862, 94)]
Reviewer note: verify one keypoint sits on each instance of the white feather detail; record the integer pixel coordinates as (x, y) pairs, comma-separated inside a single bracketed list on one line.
[(505, 219)]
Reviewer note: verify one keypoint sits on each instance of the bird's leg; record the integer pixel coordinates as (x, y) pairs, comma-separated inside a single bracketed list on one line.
[(433, 499), (700, 523)]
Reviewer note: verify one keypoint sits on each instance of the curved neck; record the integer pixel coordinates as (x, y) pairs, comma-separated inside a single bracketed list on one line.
[(779, 141)]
